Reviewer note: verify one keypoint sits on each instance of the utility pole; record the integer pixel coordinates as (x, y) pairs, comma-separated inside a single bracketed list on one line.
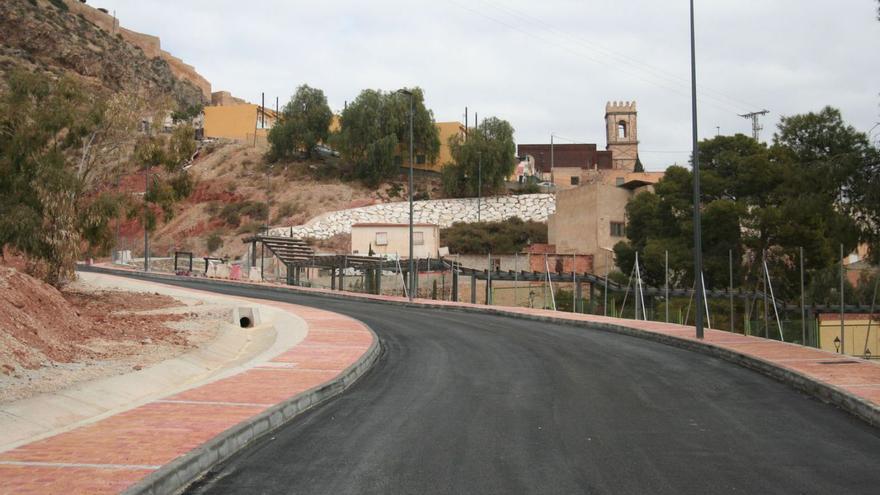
[(756, 124), (698, 241), (552, 162)]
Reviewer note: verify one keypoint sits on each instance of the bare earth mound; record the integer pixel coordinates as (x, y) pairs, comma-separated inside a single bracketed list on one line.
[(51, 339)]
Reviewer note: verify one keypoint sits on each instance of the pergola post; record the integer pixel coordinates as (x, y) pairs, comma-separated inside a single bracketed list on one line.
[(474, 288), (342, 276), (489, 287)]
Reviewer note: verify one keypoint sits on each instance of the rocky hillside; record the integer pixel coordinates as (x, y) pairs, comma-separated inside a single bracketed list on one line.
[(63, 38)]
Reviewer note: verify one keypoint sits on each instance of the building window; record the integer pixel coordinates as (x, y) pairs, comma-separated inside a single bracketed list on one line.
[(621, 129), (420, 159), (575, 180), (618, 181), (381, 238), (398, 161), (617, 229), (418, 238)]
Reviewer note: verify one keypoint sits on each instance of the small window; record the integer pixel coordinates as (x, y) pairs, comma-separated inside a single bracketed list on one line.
[(621, 129), (420, 159), (381, 238), (617, 229), (398, 160), (575, 180), (618, 181), (418, 238), (496, 264)]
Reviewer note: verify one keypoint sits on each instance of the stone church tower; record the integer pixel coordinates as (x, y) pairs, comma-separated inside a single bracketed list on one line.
[(621, 132)]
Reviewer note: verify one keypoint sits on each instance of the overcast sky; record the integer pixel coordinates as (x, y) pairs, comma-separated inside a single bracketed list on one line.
[(548, 66)]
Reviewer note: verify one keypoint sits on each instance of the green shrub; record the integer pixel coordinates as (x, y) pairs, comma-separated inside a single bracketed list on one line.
[(250, 228), (232, 213), (60, 5), (213, 208), (214, 242), (528, 187), (286, 210), (505, 237)]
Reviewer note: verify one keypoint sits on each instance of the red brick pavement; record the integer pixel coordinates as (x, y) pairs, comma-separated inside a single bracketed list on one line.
[(112, 454)]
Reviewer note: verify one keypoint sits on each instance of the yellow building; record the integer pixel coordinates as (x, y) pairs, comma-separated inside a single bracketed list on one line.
[(855, 328), (445, 130), (239, 122)]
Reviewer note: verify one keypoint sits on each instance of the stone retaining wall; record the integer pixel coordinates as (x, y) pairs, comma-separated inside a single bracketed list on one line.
[(443, 212)]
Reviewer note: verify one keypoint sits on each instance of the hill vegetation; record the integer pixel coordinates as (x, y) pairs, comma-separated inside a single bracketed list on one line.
[(507, 237)]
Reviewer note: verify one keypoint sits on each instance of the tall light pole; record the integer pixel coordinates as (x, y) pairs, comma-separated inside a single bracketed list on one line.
[(479, 183), (146, 232), (698, 241), (412, 275)]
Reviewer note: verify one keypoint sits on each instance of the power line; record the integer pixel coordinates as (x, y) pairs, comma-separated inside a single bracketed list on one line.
[(568, 48), (639, 64), (656, 81)]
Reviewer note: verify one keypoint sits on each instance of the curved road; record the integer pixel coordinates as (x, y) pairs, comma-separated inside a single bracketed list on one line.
[(468, 403)]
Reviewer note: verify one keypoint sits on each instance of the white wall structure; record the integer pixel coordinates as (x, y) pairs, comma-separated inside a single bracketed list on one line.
[(443, 212)]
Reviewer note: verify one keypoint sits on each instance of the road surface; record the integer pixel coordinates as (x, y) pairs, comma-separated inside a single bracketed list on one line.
[(469, 403)]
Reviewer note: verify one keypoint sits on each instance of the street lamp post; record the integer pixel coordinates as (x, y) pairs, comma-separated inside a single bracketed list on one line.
[(146, 232), (698, 242), (479, 184), (412, 275)]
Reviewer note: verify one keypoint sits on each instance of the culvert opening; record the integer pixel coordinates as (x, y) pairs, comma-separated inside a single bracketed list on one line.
[(245, 322)]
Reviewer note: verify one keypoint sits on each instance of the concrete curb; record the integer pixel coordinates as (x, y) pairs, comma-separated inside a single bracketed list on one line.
[(858, 407), (183, 471)]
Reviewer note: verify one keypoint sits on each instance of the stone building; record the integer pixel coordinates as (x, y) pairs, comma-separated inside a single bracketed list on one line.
[(572, 165), (621, 134), (591, 219)]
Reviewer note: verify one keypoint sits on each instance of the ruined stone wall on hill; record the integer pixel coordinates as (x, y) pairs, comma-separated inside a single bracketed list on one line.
[(151, 45), (40, 37)]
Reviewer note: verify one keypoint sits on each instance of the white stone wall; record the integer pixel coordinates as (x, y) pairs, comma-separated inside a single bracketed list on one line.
[(443, 212)]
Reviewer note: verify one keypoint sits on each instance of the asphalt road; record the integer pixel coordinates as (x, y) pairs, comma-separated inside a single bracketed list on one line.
[(467, 403)]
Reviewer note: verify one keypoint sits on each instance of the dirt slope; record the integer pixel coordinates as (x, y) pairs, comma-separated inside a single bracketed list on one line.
[(40, 326)]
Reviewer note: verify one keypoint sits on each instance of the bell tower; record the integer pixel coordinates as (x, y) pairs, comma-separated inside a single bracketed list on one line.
[(621, 133)]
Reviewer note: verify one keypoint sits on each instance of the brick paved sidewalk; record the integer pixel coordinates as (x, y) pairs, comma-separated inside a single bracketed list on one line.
[(112, 454)]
